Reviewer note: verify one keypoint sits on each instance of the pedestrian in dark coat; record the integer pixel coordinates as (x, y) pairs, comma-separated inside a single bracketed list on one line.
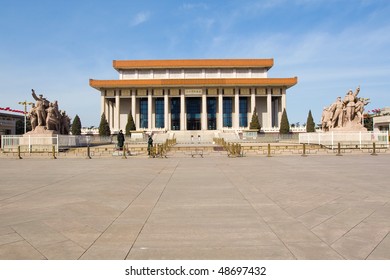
[(121, 140), (150, 144)]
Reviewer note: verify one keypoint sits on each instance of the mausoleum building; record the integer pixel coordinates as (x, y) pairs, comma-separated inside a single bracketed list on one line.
[(193, 94)]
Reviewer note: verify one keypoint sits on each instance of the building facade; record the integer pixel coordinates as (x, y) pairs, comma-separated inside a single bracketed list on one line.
[(199, 94), (8, 123), (381, 122)]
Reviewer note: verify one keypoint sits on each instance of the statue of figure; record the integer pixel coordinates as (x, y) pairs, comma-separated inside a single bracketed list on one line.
[(326, 119), (51, 118), (48, 117), (349, 101), (337, 109), (32, 115), (345, 114), (65, 123), (359, 108), (41, 106)]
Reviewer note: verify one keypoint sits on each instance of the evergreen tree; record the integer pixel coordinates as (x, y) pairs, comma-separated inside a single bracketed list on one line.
[(368, 123), (284, 124), (19, 127), (310, 125), (130, 124), (104, 128), (255, 124), (76, 126)]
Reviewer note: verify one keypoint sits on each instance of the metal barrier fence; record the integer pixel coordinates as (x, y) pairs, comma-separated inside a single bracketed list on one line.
[(358, 139), (60, 142)]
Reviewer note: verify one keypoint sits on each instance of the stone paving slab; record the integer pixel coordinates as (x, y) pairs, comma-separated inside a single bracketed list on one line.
[(315, 207)]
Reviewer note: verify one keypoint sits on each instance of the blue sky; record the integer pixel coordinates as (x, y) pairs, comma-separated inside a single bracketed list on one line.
[(55, 47)]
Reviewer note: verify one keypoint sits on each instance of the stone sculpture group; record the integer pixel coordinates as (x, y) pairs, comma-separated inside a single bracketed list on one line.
[(345, 115), (45, 116)]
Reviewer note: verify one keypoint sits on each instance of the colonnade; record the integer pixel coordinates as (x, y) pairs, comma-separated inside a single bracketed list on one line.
[(117, 104)]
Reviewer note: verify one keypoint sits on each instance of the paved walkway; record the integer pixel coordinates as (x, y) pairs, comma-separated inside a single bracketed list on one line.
[(315, 207)]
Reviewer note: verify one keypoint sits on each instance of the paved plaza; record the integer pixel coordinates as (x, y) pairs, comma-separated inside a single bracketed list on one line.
[(282, 207)]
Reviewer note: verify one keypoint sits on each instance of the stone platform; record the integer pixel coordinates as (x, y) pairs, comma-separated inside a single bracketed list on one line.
[(286, 207)]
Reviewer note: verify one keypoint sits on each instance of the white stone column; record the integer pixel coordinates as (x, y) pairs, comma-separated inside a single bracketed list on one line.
[(283, 99), (220, 110), (166, 109), (150, 108), (102, 104), (269, 108), (253, 105), (182, 111), (110, 118), (236, 114), (133, 108), (117, 121), (253, 100), (107, 109), (204, 110)]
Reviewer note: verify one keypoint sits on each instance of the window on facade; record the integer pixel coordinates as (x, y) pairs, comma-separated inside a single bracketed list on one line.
[(159, 115), (194, 105), (143, 113), (227, 111), (211, 113), (243, 115), (175, 113)]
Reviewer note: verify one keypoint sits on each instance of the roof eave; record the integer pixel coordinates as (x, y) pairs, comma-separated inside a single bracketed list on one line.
[(158, 83)]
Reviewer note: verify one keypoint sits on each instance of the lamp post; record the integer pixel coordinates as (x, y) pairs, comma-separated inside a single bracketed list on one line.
[(25, 103)]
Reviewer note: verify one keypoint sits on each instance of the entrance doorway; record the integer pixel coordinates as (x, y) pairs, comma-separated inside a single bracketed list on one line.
[(194, 107)]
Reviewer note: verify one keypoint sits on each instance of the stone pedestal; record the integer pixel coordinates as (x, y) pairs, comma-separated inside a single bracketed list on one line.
[(352, 126), (40, 136), (42, 131)]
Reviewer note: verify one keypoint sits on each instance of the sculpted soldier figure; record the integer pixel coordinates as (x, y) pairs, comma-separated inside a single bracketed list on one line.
[(52, 119), (47, 115), (345, 114), (337, 109), (349, 101), (33, 117), (359, 108), (65, 123), (41, 106), (326, 119)]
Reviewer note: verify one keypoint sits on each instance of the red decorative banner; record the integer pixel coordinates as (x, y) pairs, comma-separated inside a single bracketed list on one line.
[(11, 110)]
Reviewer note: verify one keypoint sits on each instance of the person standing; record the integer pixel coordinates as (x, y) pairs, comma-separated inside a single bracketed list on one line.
[(121, 140), (150, 144)]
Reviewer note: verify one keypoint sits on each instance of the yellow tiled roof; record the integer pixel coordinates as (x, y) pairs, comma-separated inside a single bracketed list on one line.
[(102, 84), (193, 63)]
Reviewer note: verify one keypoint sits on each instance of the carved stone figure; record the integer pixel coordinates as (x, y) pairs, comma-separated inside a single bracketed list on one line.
[(349, 101), (346, 114), (65, 123), (46, 118), (359, 108), (337, 109), (41, 104), (326, 119), (52, 120), (32, 115)]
